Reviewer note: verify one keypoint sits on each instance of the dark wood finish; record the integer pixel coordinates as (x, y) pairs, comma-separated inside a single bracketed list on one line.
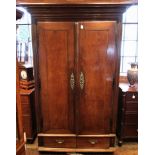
[(116, 80), (127, 125), (56, 64), (29, 71), (36, 73), (63, 47), (21, 150), (27, 93), (97, 62), (127, 149), (20, 144), (75, 12), (52, 151), (57, 142), (27, 83), (77, 1), (29, 114), (93, 142)]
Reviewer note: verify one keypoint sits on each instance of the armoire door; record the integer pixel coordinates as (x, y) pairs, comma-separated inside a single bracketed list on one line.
[(56, 73), (96, 68)]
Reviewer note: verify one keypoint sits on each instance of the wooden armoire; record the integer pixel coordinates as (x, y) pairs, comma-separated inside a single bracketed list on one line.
[(76, 46)]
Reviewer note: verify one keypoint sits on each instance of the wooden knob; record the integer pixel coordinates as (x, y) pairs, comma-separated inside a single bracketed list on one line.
[(133, 96)]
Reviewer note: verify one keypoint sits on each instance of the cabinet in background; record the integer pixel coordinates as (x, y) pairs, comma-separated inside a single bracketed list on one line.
[(29, 113), (127, 124)]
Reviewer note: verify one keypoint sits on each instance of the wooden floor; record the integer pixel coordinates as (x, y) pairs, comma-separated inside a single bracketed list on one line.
[(129, 148)]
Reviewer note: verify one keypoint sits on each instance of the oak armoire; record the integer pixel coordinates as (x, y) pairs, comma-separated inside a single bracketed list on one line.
[(76, 47)]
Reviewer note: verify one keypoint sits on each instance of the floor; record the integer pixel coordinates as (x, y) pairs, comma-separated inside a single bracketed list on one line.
[(128, 148)]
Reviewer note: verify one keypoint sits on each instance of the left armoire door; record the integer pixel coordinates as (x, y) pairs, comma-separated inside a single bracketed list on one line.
[(57, 78)]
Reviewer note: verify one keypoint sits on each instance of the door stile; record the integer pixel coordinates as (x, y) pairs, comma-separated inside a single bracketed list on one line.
[(76, 32)]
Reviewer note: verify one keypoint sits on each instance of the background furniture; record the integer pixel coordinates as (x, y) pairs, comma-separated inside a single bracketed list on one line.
[(76, 47), (28, 113), (27, 93), (127, 125), (20, 144), (26, 76)]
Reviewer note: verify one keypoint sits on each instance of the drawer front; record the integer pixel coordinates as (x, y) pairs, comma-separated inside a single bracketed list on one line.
[(57, 142), (97, 143), (130, 131), (131, 96), (132, 106), (131, 119)]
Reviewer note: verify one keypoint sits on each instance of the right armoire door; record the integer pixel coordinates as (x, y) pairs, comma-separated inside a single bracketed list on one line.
[(95, 76)]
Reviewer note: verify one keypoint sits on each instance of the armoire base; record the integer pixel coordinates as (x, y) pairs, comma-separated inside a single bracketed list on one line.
[(46, 149), (87, 153)]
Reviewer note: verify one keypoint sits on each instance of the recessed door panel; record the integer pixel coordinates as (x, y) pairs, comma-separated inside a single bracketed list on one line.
[(96, 67), (56, 65)]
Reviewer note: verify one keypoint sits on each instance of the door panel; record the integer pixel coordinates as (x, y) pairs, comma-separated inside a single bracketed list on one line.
[(56, 64), (97, 64)]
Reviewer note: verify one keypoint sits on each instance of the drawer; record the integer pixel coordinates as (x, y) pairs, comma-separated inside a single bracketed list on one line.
[(130, 131), (131, 119), (131, 96), (57, 142), (97, 143), (132, 106)]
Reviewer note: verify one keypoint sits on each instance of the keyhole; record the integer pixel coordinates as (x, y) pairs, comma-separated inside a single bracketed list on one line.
[(81, 27)]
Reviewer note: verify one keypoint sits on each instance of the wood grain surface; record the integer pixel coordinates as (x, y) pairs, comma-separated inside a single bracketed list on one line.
[(129, 148)]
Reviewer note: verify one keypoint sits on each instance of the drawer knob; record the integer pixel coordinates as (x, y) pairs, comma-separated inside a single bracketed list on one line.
[(133, 96), (93, 142), (60, 141)]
